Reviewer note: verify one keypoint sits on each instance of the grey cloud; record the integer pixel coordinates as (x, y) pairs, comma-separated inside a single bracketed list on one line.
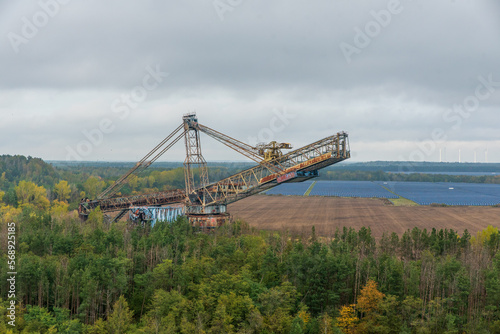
[(263, 55)]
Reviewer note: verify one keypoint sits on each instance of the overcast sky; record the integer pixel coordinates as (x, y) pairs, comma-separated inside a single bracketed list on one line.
[(108, 80)]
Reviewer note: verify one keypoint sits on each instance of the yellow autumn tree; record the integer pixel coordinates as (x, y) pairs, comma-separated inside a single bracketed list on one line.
[(304, 315), (58, 208), (62, 190), (29, 193), (8, 213), (369, 298), (484, 236), (347, 320), (3, 180), (369, 301)]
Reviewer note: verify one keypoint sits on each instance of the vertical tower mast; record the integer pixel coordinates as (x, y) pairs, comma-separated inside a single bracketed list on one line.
[(194, 158)]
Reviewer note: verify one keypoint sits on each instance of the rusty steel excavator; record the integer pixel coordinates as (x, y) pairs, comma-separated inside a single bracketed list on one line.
[(205, 203)]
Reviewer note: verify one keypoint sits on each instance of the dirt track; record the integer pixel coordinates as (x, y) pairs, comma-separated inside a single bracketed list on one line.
[(298, 214)]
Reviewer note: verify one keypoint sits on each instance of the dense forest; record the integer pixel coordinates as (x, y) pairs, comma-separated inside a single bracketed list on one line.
[(90, 277), (95, 277)]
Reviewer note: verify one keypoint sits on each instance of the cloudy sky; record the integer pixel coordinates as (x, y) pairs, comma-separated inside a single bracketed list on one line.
[(108, 80)]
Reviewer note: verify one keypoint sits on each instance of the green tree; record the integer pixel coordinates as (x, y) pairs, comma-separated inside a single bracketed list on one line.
[(411, 309), (38, 319), (389, 320), (297, 326), (222, 322), (120, 320), (493, 285), (99, 327), (93, 186), (325, 324), (162, 275)]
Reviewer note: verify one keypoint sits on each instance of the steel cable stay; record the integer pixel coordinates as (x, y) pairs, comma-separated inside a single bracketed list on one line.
[(140, 165), (241, 147)]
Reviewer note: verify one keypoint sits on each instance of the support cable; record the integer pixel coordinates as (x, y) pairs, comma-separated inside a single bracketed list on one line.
[(140, 166)]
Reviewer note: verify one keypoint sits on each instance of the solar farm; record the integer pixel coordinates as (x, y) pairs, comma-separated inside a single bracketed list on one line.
[(422, 193), (464, 194), (350, 189), (297, 189)]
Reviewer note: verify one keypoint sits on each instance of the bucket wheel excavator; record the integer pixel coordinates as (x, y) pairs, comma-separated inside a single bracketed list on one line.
[(205, 203)]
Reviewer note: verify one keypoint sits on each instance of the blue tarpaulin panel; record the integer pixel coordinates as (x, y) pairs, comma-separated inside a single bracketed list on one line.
[(155, 214)]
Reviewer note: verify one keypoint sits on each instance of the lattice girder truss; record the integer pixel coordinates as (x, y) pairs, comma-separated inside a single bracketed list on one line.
[(314, 156)]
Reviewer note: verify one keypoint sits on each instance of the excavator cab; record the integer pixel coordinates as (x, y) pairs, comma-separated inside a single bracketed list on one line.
[(272, 150)]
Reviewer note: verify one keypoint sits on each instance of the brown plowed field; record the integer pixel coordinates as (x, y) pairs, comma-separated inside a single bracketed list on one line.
[(298, 214)]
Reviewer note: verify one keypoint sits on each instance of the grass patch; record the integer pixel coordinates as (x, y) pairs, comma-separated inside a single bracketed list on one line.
[(308, 191), (402, 202)]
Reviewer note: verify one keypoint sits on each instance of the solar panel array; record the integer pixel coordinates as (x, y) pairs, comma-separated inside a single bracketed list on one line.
[(350, 189), (290, 188), (423, 193)]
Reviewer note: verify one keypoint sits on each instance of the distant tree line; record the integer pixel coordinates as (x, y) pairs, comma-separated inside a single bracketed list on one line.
[(17, 168), (33, 177)]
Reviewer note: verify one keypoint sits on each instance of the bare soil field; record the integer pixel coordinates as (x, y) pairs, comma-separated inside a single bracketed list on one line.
[(298, 214)]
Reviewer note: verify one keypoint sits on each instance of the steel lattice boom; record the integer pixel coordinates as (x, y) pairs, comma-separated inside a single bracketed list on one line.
[(206, 202), (298, 165)]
